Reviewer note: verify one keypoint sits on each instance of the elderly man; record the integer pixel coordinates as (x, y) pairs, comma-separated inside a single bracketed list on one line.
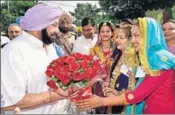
[(88, 39), (24, 62), (169, 32), (13, 31), (66, 38)]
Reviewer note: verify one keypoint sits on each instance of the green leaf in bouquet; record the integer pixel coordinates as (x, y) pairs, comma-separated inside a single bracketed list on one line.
[(83, 83), (61, 85), (64, 87), (54, 78), (90, 64), (71, 83)]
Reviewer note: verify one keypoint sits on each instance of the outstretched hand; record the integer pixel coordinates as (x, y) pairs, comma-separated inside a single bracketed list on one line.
[(70, 92), (89, 103), (61, 92), (110, 91)]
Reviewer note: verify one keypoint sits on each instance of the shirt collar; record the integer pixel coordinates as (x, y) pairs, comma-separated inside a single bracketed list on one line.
[(94, 38)]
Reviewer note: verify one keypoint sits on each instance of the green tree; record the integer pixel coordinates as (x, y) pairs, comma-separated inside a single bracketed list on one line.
[(85, 10), (10, 10), (173, 9), (159, 14), (156, 14), (132, 8)]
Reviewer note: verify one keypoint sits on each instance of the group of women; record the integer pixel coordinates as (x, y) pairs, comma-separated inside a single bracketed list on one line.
[(140, 65)]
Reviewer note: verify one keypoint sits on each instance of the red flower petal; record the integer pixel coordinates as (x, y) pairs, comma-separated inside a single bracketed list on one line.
[(88, 74), (66, 80), (70, 59), (84, 64), (74, 66), (78, 55), (52, 84), (78, 76), (59, 74), (96, 64), (49, 72), (89, 57)]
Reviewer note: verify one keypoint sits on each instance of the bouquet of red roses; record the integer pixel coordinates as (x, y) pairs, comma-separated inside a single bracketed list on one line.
[(75, 71)]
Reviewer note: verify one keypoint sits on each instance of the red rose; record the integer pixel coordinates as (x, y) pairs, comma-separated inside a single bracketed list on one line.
[(63, 58), (78, 76), (57, 61), (65, 80), (84, 64), (94, 74), (52, 66), (96, 65), (60, 60), (70, 59), (52, 62), (89, 57), (74, 66), (78, 55), (49, 72), (59, 73), (52, 84), (88, 73), (65, 69)]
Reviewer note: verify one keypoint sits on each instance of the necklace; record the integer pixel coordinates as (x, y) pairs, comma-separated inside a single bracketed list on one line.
[(109, 49), (107, 59), (127, 61)]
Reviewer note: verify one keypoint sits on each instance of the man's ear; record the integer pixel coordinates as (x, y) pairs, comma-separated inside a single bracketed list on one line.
[(39, 34)]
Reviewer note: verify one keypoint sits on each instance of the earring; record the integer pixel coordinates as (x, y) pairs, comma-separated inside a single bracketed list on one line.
[(99, 40), (128, 47)]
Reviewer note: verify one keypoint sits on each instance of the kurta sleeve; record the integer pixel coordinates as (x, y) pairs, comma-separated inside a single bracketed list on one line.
[(13, 76), (76, 47), (149, 85)]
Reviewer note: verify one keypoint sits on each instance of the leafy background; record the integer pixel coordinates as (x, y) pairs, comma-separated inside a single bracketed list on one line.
[(110, 10)]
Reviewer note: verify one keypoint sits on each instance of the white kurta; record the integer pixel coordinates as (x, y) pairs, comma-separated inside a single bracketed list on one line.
[(82, 45), (23, 65)]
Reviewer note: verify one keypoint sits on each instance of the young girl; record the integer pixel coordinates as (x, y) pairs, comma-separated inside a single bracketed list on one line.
[(122, 69), (102, 51)]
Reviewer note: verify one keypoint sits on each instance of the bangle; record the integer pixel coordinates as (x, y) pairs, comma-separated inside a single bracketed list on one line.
[(122, 92)]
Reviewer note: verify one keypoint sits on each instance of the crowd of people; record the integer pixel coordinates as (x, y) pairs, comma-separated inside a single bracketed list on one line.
[(138, 55)]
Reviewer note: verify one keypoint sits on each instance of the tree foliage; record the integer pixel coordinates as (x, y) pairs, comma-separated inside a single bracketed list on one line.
[(173, 9), (156, 14), (10, 10), (132, 8), (87, 10)]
